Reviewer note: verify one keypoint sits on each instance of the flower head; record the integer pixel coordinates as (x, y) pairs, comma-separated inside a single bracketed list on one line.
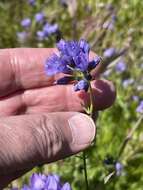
[(49, 29), (128, 82), (26, 22), (81, 85), (50, 182), (39, 17), (66, 186), (73, 59), (140, 107), (109, 52), (118, 168), (32, 2), (22, 36), (40, 35), (37, 181), (135, 98), (120, 66)]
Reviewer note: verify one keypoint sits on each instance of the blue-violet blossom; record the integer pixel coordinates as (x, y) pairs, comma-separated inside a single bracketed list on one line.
[(109, 52), (32, 2), (127, 82), (26, 22), (39, 17), (120, 66), (49, 29), (140, 107), (22, 36), (118, 168), (43, 182), (73, 59), (135, 98), (40, 35)]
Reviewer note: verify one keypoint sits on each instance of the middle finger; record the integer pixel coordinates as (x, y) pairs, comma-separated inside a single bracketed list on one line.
[(57, 98)]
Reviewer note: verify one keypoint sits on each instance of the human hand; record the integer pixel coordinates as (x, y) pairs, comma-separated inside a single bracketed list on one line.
[(40, 122)]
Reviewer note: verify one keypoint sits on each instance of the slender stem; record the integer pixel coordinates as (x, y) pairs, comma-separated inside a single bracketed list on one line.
[(40, 168), (129, 136), (91, 102), (84, 153), (85, 170)]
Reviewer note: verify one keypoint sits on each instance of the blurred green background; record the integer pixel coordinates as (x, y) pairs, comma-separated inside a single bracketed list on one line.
[(104, 24)]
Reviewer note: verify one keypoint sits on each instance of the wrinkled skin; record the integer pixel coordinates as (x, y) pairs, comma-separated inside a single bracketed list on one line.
[(41, 122)]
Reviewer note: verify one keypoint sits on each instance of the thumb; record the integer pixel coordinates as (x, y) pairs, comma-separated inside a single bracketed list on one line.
[(30, 140)]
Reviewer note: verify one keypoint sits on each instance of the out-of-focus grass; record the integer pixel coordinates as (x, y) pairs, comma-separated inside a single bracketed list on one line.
[(112, 124)]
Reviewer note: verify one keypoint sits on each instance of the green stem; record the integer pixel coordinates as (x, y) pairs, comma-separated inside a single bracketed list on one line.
[(91, 102), (40, 168), (129, 136), (85, 170), (84, 153)]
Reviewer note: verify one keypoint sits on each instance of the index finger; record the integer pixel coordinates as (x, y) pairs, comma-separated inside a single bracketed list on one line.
[(23, 68)]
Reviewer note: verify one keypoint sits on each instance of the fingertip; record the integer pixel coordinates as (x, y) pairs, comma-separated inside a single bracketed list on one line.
[(104, 93), (82, 124)]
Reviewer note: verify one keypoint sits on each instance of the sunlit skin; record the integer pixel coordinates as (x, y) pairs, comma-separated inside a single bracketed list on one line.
[(35, 113)]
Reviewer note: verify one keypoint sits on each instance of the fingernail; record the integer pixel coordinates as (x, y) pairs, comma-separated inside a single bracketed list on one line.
[(82, 128)]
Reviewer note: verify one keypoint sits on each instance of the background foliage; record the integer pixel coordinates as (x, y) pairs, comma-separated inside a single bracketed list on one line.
[(105, 24)]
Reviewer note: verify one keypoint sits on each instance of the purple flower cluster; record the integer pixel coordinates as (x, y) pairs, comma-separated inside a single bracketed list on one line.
[(109, 24), (44, 31), (135, 98), (26, 22), (73, 59), (81, 85), (32, 2), (48, 29), (127, 82), (118, 168), (39, 17), (22, 36), (140, 107), (43, 182), (109, 52), (121, 66)]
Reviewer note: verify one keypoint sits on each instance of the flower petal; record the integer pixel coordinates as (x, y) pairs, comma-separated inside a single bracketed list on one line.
[(84, 46), (52, 183), (66, 186), (81, 61), (81, 85), (36, 182), (94, 63)]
